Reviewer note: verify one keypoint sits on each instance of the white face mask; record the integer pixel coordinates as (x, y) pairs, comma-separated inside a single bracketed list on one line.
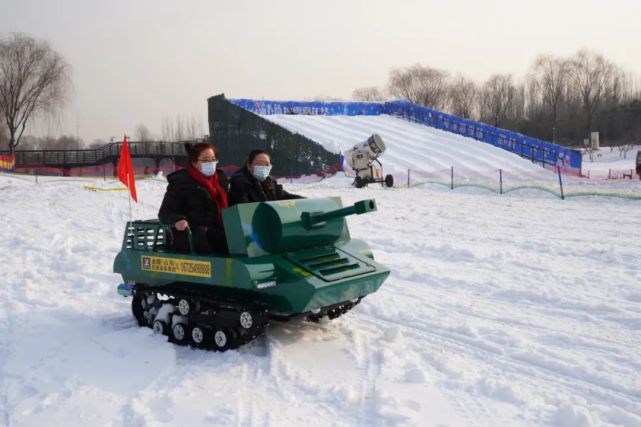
[(261, 172), (208, 168)]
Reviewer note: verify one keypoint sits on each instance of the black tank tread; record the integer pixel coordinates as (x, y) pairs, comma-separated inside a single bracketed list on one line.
[(222, 308)]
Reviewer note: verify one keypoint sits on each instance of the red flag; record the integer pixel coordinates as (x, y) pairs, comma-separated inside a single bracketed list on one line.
[(126, 170)]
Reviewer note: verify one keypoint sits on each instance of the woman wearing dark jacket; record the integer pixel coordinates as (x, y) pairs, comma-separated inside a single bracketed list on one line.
[(253, 183), (194, 199)]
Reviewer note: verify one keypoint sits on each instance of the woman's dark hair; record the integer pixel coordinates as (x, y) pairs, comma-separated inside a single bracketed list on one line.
[(194, 150), (256, 152)]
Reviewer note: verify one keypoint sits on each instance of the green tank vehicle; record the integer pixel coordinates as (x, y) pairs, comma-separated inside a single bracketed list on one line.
[(287, 259)]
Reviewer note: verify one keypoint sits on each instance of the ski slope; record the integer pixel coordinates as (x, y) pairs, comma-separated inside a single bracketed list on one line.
[(513, 310), (408, 145)]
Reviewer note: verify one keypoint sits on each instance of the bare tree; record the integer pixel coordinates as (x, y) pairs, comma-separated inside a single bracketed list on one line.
[(167, 130), (180, 129), (619, 89), (368, 94), (194, 127), (624, 148), (462, 96), (421, 85), (517, 110), (497, 99), (96, 143), (592, 77), (4, 134), (549, 80), (33, 79), (63, 142), (535, 108), (143, 133)]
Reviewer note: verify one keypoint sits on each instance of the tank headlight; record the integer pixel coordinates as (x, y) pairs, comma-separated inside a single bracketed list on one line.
[(264, 285)]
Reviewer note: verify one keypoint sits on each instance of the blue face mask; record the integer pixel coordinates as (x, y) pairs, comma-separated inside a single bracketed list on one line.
[(261, 172), (208, 168)]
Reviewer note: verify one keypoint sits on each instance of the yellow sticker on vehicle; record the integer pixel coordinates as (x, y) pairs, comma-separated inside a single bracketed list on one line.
[(184, 267), (285, 203)]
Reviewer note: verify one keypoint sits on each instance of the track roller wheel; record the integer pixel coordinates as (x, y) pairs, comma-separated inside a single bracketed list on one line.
[(224, 339), (246, 320), (314, 318), (334, 313), (179, 332), (184, 307), (200, 335), (160, 327)]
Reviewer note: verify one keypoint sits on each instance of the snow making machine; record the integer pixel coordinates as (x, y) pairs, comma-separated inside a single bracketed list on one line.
[(287, 259), (363, 158)]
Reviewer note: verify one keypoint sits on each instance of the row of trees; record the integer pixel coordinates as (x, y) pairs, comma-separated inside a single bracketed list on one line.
[(178, 129), (560, 99)]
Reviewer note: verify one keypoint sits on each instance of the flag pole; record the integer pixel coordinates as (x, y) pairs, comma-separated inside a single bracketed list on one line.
[(129, 196)]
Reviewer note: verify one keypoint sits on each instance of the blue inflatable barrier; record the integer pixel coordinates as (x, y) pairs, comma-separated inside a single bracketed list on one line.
[(536, 150)]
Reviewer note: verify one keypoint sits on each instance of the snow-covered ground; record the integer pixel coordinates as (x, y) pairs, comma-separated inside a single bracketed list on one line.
[(513, 310), (610, 162)]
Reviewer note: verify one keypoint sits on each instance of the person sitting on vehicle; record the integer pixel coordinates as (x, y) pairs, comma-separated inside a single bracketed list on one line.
[(252, 183), (194, 200)]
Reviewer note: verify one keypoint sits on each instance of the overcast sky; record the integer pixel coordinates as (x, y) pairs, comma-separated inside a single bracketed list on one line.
[(137, 61)]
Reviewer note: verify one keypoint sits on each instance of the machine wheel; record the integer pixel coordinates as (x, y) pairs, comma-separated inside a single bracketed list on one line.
[(137, 310), (199, 335), (359, 182), (159, 327), (389, 181), (184, 307), (179, 332), (314, 318), (222, 339), (246, 320)]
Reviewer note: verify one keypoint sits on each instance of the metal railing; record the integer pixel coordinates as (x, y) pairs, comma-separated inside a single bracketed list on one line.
[(105, 154)]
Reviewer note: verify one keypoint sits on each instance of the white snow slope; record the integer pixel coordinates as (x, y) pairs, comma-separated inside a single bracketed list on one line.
[(408, 145), (514, 310)]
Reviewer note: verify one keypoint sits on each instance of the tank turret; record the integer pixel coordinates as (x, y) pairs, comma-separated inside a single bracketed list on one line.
[(256, 229)]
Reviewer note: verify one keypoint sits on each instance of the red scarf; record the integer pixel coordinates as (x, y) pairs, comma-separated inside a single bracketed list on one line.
[(212, 185)]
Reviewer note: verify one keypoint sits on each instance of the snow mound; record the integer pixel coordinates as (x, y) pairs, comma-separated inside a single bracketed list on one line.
[(408, 145)]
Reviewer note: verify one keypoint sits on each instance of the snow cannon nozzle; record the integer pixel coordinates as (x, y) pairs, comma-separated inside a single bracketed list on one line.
[(363, 159)]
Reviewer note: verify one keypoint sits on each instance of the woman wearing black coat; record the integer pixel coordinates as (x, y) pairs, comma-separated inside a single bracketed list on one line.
[(194, 199), (253, 183)]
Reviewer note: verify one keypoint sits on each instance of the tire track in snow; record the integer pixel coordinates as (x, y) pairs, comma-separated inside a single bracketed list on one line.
[(368, 361), (522, 366)]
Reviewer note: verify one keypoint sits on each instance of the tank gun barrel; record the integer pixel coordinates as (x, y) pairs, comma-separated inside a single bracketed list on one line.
[(317, 219)]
